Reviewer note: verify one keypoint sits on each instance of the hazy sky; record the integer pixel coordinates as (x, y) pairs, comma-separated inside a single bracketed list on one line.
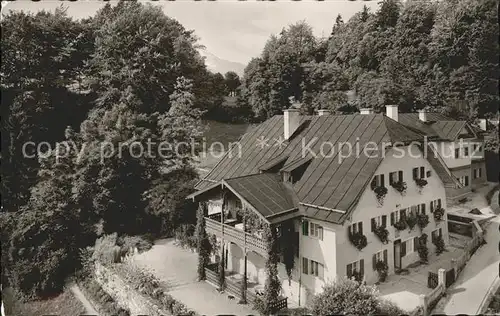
[(230, 29)]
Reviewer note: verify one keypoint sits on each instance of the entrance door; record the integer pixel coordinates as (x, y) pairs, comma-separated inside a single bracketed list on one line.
[(397, 254)]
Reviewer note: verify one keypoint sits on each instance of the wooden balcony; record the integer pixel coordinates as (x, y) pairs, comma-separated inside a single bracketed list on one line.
[(241, 238)]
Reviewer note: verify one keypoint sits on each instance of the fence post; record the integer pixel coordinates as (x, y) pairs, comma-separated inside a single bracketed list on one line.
[(441, 276), (423, 302)]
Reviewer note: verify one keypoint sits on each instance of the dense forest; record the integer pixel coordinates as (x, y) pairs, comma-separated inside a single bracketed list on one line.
[(440, 55), (131, 74)]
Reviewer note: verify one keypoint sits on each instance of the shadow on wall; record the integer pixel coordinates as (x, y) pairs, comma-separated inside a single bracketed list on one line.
[(492, 166)]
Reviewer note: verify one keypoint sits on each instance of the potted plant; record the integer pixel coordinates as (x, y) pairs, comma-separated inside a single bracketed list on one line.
[(382, 270), (421, 183), (400, 186), (380, 193), (422, 220), (438, 214), (358, 240), (411, 221), (382, 234), (400, 225)]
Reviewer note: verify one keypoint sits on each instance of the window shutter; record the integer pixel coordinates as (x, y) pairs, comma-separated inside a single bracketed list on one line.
[(350, 230), (400, 175), (432, 206), (415, 244), (373, 224), (382, 182), (374, 262), (305, 228), (391, 178), (384, 220), (320, 230), (415, 173), (392, 219), (422, 172), (403, 249), (304, 265), (385, 256), (349, 270), (360, 227), (362, 267), (422, 208), (403, 214), (439, 203)]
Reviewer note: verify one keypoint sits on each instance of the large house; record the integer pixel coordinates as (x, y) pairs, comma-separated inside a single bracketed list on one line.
[(296, 172)]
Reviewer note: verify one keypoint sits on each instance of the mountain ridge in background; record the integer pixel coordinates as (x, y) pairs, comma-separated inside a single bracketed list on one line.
[(216, 64)]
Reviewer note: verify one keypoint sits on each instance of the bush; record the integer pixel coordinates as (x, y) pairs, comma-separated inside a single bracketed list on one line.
[(185, 236), (411, 221), (382, 270), (400, 186), (423, 252), (400, 225), (147, 284), (346, 297), (106, 251), (439, 243), (388, 308), (127, 242), (97, 295)]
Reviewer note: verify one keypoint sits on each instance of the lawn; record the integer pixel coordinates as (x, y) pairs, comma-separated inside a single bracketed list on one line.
[(63, 304)]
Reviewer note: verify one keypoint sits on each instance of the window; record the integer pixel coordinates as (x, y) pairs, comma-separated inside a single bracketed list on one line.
[(435, 234), (418, 173), (466, 152), (436, 204), (477, 173), (428, 173), (378, 181), (475, 147), (396, 216), (421, 209), (395, 176), (357, 266), (316, 231), (464, 180), (409, 246), (379, 221), (457, 153), (379, 256), (356, 228), (312, 267)]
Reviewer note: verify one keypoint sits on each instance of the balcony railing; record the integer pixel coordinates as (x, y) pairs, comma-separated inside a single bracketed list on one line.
[(237, 236)]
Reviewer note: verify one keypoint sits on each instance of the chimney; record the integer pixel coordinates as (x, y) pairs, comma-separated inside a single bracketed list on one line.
[(392, 112), (366, 111), (422, 115), (323, 112), (291, 120), (483, 123)]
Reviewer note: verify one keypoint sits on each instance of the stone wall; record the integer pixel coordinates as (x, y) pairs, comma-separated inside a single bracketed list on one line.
[(124, 295)]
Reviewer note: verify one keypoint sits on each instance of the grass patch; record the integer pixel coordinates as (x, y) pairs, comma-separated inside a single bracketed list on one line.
[(64, 304)]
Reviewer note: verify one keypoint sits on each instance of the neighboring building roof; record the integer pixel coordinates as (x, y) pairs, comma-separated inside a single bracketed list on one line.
[(328, 182), (437, 125)]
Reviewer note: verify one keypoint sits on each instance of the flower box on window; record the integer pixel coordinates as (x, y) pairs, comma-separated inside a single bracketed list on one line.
[(400, 186), (358, 240), (438, 214)]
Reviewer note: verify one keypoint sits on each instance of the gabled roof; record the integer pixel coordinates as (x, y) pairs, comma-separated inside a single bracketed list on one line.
[(329, 182), (437, 125), (265, 192)]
